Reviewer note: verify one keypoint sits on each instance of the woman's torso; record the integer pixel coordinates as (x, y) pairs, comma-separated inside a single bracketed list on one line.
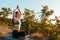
[(17, 21)]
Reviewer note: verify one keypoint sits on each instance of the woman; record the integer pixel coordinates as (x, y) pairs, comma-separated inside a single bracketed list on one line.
[(17, 22), (17, 19), (17, 25)]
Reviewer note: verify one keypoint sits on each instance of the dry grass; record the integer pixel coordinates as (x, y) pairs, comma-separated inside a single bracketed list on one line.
[(4, 29)]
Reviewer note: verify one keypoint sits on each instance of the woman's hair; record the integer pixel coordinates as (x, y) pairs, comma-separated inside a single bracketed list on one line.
[(16, 12)]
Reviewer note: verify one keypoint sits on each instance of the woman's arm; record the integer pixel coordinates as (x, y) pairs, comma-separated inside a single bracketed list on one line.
[(18, 9), (19, 12), (13, 14)]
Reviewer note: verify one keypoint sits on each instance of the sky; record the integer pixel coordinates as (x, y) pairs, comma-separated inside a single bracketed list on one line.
[(35, 5)]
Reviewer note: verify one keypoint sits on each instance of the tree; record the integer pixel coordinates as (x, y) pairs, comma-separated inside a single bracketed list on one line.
[(46, 25), (29, 17), (5, 12), (45, 13)]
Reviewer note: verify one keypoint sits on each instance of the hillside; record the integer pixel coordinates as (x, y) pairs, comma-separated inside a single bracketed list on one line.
[(4, 27), (6, 21)]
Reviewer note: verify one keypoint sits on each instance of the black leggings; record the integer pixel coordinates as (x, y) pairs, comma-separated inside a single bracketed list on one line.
[(17, 34)]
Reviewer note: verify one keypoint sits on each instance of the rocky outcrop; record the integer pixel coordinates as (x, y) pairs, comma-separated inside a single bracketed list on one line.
[(38, 36), (4, 29)]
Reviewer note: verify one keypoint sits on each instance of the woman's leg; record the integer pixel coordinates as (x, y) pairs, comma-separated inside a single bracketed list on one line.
[(15, 34)]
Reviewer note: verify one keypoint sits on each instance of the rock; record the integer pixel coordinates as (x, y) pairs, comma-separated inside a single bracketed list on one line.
[(38, 36), (12, 38), (9, 38)]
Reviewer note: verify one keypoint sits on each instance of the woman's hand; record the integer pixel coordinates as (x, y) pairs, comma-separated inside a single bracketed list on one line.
[(17, 7)]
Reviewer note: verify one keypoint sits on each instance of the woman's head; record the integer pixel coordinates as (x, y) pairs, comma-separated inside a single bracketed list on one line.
[(17, 15), (16, 12)]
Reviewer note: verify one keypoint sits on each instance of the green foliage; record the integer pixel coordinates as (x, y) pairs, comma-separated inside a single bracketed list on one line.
[(29, 23), (6, 21), (45, 26), (5, 12), (28, 19)]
